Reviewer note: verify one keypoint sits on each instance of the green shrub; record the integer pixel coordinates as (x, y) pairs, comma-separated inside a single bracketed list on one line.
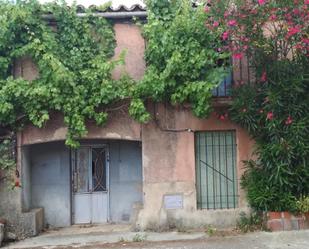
[(252, 222), (303, 204), (7, 162), (139, 237), (210, 230), (273, 105), (264, 195)]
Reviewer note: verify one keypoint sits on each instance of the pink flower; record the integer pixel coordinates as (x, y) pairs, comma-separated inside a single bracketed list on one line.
[(296, 12), (289, 120), (254, 11), (222, 118), (293, 31), (17, 183), (264, 77), (305, 40), (288, 16), (232, 23), (273, 17), (261, 2), (306, 2), (225, 35), (270, 116), (215, 24), (238, 56)]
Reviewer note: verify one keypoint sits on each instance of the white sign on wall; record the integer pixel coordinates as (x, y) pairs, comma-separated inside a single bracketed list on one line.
[(173, 201)]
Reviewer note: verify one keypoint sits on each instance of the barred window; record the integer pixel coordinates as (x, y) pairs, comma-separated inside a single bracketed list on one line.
[(216, 174)]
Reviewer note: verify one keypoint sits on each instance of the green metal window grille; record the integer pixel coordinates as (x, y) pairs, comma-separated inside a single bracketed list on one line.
[(216, 175)]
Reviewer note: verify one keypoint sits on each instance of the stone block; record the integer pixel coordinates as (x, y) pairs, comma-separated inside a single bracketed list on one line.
[(294, 223), (286, 215), (301, 224), (9, 236), (287, 225), (274, 215)]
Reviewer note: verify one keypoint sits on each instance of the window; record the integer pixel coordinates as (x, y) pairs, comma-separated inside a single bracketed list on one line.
[(216, 175), (224, 89), (89, 169), (98, 169)]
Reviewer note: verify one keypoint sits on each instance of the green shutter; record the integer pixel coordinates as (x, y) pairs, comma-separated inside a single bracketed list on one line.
[(216, 175)]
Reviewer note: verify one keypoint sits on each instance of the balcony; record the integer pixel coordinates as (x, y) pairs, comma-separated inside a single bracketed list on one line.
[(241, 73)]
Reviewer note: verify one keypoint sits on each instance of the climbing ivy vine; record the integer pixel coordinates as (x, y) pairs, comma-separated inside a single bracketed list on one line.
[(7, 162), (73, 57), (74, 60), (183, 58)]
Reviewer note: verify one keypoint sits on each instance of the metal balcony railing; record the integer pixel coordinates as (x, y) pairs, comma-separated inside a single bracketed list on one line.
[(241, 73), (224, 89)]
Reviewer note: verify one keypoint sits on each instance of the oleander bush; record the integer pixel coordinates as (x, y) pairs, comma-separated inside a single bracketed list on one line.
[(274, 108)]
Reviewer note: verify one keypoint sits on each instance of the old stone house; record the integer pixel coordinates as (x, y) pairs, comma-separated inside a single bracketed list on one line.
[(175, 170)]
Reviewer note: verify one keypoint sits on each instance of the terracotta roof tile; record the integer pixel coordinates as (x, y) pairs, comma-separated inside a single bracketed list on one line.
[(120, 8)]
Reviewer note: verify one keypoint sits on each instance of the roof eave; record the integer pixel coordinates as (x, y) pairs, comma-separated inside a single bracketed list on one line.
[(108, 15)]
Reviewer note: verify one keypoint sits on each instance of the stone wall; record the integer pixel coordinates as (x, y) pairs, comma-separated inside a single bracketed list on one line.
[(14, 205), (285, 221), (20, 224)]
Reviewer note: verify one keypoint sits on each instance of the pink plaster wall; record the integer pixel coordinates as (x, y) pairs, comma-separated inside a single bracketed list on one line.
[(120, 125), (129, 39), (170, 156), (182, 155)]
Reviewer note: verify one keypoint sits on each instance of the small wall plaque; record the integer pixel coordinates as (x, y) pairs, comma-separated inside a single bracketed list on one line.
[(173, 201)]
